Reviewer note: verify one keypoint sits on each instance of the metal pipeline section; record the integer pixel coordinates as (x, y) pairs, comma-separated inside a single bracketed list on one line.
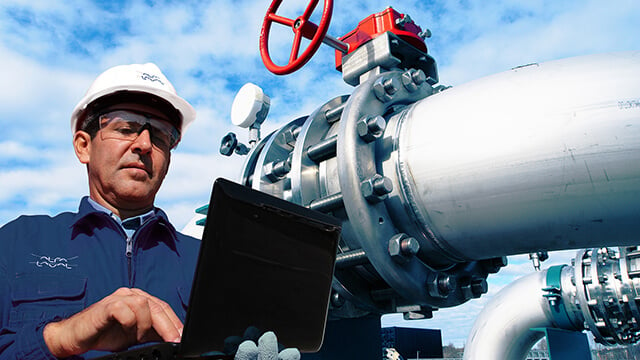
[(600, 293), (436, 186), (542, 157), (502, 329)]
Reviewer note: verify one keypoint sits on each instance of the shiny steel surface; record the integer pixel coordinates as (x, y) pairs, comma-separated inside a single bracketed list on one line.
[(501, 330), (540, 157), (598, 294)]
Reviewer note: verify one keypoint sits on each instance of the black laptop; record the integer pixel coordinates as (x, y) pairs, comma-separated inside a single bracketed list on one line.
[(265, 264)]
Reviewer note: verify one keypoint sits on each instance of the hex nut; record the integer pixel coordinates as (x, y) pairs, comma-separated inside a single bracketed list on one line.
[(479, 286), (494, 265), (370, 128), (289, 136), (447, 284), (376, 188), (409, 246), (442, 285), (412, 79), (277, 170), (402, 248), (362, 127), (385, 88)]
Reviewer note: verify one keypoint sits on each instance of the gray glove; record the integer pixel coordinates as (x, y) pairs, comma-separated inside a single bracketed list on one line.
[(267, 349)]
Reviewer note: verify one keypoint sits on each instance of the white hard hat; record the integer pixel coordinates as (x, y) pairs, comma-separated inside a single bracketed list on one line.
[(138, 78)]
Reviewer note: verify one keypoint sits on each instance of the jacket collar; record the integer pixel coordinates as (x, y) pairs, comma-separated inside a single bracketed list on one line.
[(86, 208), (88, 216)]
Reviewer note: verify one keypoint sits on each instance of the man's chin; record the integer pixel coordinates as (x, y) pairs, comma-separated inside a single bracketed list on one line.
[(137, 198)]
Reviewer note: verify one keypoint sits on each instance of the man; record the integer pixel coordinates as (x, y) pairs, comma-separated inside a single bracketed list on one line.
[(116, 273)]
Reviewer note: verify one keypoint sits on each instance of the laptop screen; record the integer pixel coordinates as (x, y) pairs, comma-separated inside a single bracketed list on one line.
[(264, 264)]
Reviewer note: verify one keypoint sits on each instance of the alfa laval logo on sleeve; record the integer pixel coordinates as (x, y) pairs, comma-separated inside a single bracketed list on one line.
[(151, 77), (53, 262)]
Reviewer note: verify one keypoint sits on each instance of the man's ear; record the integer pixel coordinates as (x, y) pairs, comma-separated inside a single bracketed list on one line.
[(82, 146)]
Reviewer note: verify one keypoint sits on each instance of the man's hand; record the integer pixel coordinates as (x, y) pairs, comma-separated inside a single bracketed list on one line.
[(124, 318)]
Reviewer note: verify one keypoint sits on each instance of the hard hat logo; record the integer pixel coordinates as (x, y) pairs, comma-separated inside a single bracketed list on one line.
[(133, 79), (147, 76)]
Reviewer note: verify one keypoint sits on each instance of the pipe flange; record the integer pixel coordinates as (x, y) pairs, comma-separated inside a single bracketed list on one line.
[(370, 220), (630, 278), (604, 298), (305, 186)]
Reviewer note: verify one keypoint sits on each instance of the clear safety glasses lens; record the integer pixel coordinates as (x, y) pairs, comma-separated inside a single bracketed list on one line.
[(127, 125)]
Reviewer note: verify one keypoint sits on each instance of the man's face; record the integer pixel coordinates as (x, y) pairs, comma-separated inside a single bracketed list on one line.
[(124, 174)]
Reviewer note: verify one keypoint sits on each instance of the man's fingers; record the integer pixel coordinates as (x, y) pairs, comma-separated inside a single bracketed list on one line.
[(137, 318), (124, 318), (122, 313), (143, 316), (161, 304), (164, 320)]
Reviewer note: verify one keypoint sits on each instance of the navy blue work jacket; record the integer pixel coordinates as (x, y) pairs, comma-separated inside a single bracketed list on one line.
[(53, 267)]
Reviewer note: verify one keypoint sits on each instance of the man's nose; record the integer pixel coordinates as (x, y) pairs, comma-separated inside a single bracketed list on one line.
[(143, 141)]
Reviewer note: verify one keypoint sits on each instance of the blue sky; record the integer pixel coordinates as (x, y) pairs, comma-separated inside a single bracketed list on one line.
[(50, 51)]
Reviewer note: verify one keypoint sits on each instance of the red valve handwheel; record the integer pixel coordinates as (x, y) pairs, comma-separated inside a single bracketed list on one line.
[(301, 26)]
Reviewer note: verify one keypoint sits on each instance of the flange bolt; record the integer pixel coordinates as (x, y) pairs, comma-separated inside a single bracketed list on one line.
[(412, 79), (376, 188), (371, 128), (384, 88), (402, 248), (442, 285)]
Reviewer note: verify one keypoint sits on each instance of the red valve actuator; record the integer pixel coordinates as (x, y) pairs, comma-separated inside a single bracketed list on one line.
[(377, 24)]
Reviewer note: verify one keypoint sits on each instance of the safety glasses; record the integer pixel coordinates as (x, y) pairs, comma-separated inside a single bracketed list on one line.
[(128, 125)]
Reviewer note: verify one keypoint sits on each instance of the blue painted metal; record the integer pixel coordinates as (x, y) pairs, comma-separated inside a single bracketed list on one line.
[(565, 344)]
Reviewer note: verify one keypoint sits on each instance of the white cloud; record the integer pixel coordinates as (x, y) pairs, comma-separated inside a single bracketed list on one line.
[(42, 187), (15, 150), (34, 90)]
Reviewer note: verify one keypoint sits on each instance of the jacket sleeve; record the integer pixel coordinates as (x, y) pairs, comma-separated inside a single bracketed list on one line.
[(24, 341)]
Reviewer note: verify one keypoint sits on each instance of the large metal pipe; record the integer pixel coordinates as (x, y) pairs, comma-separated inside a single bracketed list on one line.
[(542, 157), (436, 186)]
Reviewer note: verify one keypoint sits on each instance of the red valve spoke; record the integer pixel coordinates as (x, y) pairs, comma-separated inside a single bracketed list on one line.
[(295, 49), (281, 19), (307, 13), (301, 27)]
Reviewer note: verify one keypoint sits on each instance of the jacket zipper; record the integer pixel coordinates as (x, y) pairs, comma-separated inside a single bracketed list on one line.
[(129, 253)]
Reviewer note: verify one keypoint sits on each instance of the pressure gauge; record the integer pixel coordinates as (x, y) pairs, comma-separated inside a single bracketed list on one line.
[(250, 106)]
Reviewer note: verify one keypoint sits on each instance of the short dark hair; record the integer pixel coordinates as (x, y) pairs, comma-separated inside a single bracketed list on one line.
[(91, 124)]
